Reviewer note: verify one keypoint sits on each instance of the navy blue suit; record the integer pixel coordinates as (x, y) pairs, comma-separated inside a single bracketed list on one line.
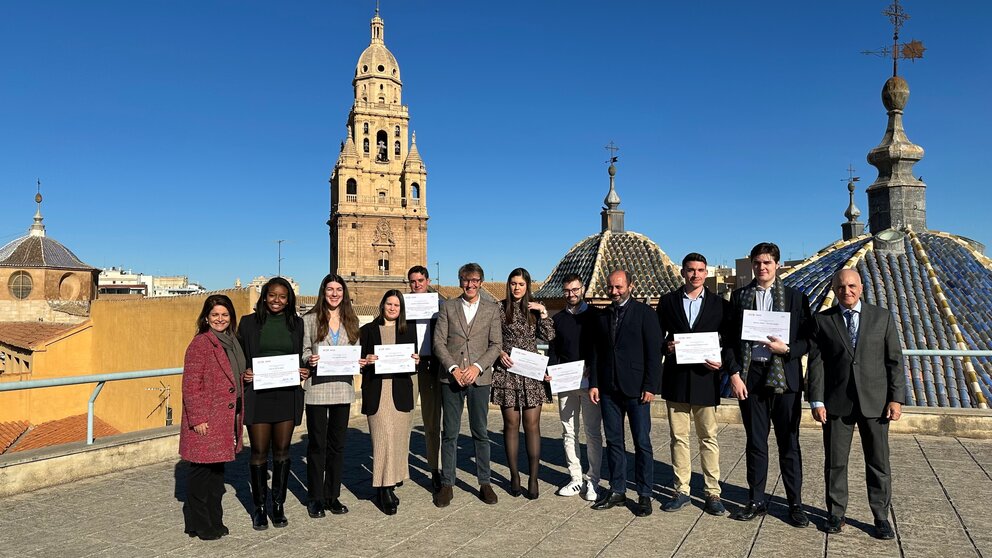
[(627, 362)]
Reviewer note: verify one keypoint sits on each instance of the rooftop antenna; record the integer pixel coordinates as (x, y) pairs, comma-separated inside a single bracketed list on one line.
[(280, 258), (164, 400), (906, 51)]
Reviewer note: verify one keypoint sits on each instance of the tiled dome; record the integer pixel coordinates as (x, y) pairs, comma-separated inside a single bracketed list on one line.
[(594, 257)]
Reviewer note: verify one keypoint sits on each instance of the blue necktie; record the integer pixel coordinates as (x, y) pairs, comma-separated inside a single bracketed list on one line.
[(852, 331)]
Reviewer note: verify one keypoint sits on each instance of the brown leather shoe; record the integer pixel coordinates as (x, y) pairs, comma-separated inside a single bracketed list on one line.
[(443, 496), (487, 495)]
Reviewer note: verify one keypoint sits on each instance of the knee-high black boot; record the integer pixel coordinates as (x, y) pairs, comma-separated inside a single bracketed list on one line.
[(280, 481), (257, 476)]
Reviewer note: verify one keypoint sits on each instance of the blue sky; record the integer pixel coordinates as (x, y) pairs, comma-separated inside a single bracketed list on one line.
[(186, 137)]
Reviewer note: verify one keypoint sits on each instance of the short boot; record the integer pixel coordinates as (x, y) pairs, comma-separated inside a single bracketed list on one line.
[(258, 477), (280, 480)]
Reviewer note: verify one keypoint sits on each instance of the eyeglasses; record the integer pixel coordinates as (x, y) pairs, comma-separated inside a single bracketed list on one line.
[(574, 291), (471, 281)]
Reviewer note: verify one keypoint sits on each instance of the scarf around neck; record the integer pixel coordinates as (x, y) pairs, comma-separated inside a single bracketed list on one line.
[(775, 380), (235, 356)]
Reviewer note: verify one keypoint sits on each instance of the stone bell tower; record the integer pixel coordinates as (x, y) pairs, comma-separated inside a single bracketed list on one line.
[(378, 219)]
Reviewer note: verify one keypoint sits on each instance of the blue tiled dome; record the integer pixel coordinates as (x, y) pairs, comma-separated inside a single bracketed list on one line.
[(939, 289)]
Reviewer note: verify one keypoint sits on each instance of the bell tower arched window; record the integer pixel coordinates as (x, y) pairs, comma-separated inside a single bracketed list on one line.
[(352, 189), (396, 149), (365, 145), (396, 131), (415, 191), (381, 146)]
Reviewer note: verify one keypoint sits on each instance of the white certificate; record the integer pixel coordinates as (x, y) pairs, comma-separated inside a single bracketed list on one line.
[(566, 377), (275, 371), (528, 364), (394, 359), (338, 360), (420, 306), (758, 325), (697, 348)]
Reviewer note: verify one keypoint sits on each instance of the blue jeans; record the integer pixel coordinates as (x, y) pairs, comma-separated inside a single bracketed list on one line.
[(614, 407), (453, 398)]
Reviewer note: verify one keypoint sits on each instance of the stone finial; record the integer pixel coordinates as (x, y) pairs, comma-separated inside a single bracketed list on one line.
[(612, 217), (612, 199), (895, 93), (38, 227), (852, 212), (897, 199)]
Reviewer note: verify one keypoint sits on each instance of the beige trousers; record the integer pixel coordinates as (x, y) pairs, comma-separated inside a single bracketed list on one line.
[(680, 415)]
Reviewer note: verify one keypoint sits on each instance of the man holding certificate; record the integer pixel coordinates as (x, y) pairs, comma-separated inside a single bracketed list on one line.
[(574, 329), (467, 341), (626, 373), (691, 319), (428, 373), (767, 379)]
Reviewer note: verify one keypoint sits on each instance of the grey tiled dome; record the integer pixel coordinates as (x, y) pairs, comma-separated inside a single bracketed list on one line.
[(39, 251)]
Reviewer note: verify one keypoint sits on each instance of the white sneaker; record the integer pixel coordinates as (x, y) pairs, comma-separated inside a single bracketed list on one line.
[(570, 489), (591, 492)]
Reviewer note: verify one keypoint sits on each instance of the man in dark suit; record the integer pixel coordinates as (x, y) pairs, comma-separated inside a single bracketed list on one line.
[(467, 340), (428, 377), (767, 380), (856, 377), (625, 376), (692, 391)]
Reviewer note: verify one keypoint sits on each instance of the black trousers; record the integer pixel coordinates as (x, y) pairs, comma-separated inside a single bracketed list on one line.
[(837, 435), (204, 489), (327, 426), (759, 412)]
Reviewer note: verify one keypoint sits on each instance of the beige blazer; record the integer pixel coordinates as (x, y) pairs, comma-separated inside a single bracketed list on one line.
[(478, 342)]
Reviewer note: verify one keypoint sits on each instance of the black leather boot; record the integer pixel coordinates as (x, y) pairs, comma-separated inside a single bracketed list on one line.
[(391, 492), (258, 477), (385, 501), (280, 480)]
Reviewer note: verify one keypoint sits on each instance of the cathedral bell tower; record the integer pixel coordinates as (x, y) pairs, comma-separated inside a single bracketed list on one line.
[(378, 220)]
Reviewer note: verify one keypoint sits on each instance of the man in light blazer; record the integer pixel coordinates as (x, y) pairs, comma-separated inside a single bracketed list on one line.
[(626, 373), (856, 377), (692, 391), (467, 340)]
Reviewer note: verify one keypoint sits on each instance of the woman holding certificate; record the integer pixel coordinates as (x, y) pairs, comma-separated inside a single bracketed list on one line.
[(387, 398), (331, 323), (269, 337), (211, 425), (523, 322)]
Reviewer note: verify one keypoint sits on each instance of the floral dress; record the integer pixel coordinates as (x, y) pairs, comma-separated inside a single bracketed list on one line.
[(511, 390)]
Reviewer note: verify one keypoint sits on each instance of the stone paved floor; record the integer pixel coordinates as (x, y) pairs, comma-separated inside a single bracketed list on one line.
[(940, 491)]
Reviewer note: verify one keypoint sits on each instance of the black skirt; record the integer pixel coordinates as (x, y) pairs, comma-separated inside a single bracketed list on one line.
[(275, 405)]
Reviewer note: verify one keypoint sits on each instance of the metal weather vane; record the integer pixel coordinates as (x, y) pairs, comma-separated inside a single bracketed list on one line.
[(612, 148), (898, 51), (850, 178)]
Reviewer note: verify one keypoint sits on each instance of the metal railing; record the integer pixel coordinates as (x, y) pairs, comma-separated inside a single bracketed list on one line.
[(99, 379), (945, 353)]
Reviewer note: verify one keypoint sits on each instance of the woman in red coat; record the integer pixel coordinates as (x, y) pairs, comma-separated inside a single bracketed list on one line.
[(210, 434)]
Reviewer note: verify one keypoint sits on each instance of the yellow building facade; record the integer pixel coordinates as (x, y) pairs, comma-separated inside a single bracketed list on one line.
[(120, 336)]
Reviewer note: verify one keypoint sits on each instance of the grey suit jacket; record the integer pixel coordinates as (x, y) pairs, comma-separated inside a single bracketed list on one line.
[(875, 365), (479, 342)]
